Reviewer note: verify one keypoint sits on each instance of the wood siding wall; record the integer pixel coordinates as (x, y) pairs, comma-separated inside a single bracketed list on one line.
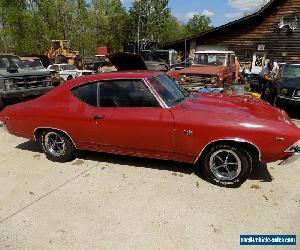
[(245, 36)]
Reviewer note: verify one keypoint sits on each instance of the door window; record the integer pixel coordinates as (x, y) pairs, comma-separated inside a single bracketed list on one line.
[(126, 93), (87, 93)]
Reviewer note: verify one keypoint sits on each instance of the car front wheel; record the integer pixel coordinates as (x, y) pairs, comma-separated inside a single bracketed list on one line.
[(226, 165), (57, 146)]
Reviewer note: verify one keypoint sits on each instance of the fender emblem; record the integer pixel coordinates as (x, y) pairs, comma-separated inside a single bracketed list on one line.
[(188, 132)]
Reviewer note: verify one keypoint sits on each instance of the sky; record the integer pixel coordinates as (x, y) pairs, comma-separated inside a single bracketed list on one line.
[(220, 11)]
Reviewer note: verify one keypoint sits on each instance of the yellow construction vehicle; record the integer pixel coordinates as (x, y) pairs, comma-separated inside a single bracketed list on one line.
[(60, 52)]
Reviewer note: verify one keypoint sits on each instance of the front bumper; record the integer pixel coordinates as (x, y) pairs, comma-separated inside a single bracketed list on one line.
[(294, 152), (25, 92), (289, 100), (3, 127)]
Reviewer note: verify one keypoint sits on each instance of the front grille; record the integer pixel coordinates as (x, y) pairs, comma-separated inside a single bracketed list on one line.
[(197, 79), (290, 93), (28, 82)]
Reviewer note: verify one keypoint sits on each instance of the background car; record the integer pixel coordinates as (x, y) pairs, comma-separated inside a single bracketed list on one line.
[(33, 63), (67, 71), (209, 68), (289, 86), (18, 82), (146, 114)]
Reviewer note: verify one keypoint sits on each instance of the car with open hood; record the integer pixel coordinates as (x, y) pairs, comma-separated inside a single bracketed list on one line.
[(289, 86), (146, 114)]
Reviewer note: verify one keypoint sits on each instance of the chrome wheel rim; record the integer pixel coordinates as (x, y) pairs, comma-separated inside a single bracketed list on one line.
[(225, 164), (55, 144)]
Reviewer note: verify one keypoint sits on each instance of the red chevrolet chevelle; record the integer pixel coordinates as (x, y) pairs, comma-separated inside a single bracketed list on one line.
[(146, 114)]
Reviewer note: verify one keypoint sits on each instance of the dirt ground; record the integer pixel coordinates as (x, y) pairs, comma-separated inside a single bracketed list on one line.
[(104, 201)]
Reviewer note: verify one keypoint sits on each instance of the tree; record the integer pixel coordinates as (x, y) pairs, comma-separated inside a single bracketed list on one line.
[(28, 26), (198, 24), (151, 20)]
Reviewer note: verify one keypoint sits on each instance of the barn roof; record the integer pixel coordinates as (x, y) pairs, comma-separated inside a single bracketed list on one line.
[(269, 6)]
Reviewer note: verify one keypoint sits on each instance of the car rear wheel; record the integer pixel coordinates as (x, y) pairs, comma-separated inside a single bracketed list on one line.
[(57, 146), (69, 78), (226, 165)]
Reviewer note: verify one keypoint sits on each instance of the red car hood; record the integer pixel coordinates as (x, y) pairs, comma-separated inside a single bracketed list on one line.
[(234, 105), (203, 69)]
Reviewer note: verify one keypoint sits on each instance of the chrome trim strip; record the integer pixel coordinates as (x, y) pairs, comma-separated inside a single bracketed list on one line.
[(34, 133), (229, 139), (155, 94), (289, 98), (294, 148)]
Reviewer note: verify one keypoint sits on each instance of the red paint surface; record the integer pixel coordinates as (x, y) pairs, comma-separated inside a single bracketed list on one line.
[(155, 132)]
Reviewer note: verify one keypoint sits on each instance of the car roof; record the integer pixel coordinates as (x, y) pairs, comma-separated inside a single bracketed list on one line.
[(113, 75)]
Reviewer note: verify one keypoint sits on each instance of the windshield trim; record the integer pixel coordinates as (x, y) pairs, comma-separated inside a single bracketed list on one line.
[(163, 103)]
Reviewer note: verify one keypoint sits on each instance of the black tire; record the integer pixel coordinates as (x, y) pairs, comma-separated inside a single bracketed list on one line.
[(211, 162), (2, 105), (64, 150), (69, 78)]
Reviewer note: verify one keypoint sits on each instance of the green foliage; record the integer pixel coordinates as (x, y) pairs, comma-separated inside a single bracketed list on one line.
[(28, 26), (198, 24)]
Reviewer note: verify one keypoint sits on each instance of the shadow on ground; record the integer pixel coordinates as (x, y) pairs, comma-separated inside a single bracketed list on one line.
[(260, 171)]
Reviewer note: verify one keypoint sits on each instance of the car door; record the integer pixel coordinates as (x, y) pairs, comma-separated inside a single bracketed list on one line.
[(130, 120)]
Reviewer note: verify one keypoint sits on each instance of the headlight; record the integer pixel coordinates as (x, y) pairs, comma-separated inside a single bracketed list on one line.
[(284, 91), (8, 81), (182, 78), (297, 93), (213, 80), (8, 84)]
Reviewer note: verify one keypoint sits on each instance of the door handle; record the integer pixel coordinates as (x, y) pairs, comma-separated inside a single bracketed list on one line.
[(97, 117)]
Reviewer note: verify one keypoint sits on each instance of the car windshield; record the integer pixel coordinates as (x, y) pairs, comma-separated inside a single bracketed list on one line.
[(291, 70), (210, 59), (34, 64), (168, 90), (8, 61), (67, 67)]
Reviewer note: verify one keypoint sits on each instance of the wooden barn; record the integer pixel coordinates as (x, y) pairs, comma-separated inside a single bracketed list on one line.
[(272, 32)]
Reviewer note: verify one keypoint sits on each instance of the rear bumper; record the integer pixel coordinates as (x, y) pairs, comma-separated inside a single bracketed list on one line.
[(25, 92)]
